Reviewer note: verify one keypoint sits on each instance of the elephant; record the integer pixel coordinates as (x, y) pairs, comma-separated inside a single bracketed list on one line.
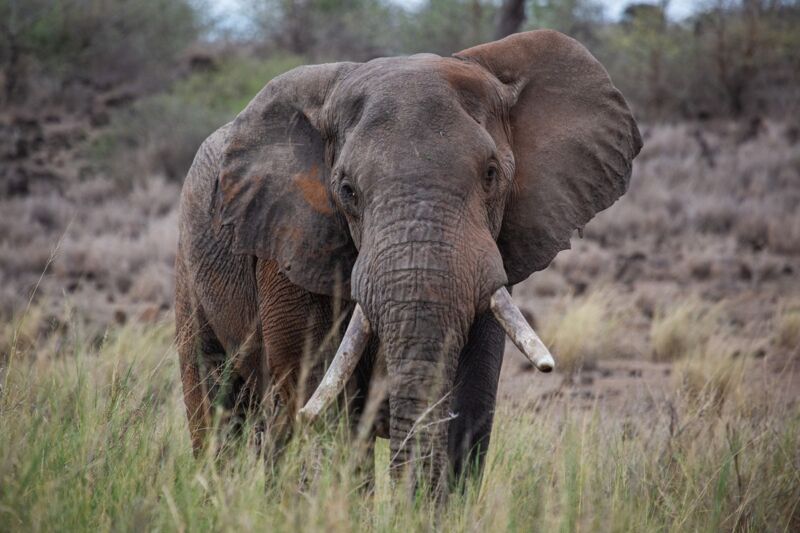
[(372, 218)]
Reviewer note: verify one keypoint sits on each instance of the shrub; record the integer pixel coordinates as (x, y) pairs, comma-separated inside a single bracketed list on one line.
[(582, 333), (681, 329), (229, 88), (787, 332), (711, 373), (156, 136), (448, 26), (105, 42), (159, 135), (784, 235)]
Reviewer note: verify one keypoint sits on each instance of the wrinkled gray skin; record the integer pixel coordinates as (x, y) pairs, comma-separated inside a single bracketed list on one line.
[(415, 186)]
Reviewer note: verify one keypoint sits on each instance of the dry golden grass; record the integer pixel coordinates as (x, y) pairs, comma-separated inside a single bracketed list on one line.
[(711, 373), (94, 439), (582, 331), (787, 332), (683, 327)]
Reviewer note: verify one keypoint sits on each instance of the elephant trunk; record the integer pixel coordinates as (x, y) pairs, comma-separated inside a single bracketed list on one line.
[(422, 292), (420, 341)]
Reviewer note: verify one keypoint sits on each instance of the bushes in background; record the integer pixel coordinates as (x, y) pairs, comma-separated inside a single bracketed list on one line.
[(160, 134), (95, 42)]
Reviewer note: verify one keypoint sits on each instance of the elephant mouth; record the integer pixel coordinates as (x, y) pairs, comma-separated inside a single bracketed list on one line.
[(357, 335)]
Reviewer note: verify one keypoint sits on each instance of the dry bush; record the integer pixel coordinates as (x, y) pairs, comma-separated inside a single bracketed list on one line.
[(31, 257), (153, 284), (118, 263), (701, 178), (783, 236), (716, 215), (548, 283), (26, 219), (22, 332), (159, 135), (712, 373), (679, 330), (583, 331), (787, 327), (52, 49), (752, 229)]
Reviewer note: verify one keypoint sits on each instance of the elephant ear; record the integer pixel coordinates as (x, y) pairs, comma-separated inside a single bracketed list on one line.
[(273, 183), (573, 138)]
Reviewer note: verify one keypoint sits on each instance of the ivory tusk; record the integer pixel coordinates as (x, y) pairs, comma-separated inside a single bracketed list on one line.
[(520, 331), (344, 363)]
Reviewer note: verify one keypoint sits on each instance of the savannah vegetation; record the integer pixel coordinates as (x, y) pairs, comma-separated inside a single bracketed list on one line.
[(674, 320), (94, 437)]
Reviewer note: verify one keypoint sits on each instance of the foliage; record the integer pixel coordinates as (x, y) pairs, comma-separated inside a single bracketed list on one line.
[(448, 26), (159, 135), (329, 29), (101, 41), (729, 58), (229, 88), (580, 19)]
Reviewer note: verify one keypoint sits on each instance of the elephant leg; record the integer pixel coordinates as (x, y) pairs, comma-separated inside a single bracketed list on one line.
[(212, 385), (475, 394), (216, 381), (194, 342), (298, 338)]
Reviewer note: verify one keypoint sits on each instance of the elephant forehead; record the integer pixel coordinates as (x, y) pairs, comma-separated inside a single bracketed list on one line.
[(426, 85), (415, 117)]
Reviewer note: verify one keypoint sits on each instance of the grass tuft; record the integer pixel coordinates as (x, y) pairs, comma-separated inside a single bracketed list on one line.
[(712, 373), (583, 332), (787, 333), (674, 333)]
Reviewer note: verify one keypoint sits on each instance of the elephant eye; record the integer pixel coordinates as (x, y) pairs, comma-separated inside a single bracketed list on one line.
[(489, 177), (348, 197), (347, 192)]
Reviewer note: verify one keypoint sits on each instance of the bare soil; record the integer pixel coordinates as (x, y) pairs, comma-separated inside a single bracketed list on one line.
[(711, 215)]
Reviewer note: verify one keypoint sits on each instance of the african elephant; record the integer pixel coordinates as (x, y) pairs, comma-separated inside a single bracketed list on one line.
[(400, 196)]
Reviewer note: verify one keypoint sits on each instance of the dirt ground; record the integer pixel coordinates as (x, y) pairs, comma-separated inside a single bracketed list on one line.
[(710, 218)]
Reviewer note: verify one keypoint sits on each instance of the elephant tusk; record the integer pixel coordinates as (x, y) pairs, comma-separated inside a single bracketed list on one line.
[(520, 331), (344, 363)]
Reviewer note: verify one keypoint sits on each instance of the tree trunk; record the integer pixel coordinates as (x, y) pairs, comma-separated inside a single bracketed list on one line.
[(510, 18)]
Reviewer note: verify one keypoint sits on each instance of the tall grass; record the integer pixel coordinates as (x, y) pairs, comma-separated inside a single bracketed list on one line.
[(583, 331), (684, 327), (93, 437), (787, 333)]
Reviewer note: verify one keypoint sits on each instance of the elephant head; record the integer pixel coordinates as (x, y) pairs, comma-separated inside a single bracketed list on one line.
[(421, 186)]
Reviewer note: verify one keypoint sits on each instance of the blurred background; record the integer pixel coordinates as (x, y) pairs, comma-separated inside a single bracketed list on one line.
[(103, 104)]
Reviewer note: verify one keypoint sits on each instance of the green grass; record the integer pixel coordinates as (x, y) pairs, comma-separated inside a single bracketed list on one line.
[(93, 437)]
